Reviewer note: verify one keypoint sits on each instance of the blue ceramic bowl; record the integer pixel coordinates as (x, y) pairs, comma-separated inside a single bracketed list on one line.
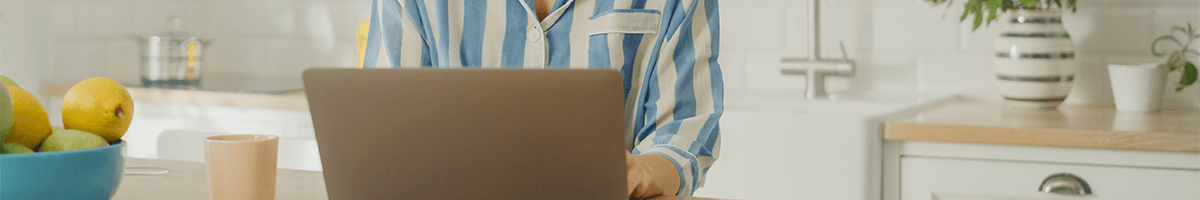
[(79, 174)]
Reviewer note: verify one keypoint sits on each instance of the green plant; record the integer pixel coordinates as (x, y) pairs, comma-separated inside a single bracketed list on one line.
[(1178, 58), (992, 8)]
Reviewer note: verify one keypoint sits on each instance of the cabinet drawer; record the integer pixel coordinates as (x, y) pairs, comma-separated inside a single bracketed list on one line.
[(924, 178)]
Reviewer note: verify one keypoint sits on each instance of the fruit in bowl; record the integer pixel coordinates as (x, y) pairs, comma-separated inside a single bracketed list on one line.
[(79, 161), (77, 174), (100, 106)]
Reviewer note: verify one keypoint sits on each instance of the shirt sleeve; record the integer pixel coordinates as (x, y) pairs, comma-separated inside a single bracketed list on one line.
[(685, 93), (393, 39)]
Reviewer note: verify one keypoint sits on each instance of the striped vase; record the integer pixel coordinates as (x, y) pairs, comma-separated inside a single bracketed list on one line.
[(1035, 59)]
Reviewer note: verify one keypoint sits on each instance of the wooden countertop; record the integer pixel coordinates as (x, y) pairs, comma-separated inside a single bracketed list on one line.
[(188, 180), (1075, 126), (294, 100)]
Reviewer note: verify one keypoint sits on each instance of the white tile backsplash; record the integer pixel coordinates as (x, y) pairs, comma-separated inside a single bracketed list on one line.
[(904, 29), (322, 16), (153, 17), (251, 18), (752, 28), (106, 19), (954, 71), (762, 72), (1171, 3), (237, 56), (291, 57), (842, 25), (1111, 30), (343, 54), (898, 45), (73, 61), (121, 62), (254, 37), (1092, 85), (796, 34), (62, 19), (882, 71), (733, 69)]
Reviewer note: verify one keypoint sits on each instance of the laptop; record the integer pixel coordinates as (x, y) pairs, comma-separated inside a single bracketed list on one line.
[(469, 133)]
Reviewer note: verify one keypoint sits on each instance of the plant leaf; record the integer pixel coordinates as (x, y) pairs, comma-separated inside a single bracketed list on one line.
[(978, 20), (992, 6), (1180, 28), (1028, 3), (970, 5), (1153, 45), (1175, 61), (1189, 76)]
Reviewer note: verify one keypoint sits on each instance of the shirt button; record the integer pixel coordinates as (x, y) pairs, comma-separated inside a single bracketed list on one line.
[(534, 35)]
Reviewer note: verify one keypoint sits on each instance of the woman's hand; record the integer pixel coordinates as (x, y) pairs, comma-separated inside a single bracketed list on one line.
[(651, 175)]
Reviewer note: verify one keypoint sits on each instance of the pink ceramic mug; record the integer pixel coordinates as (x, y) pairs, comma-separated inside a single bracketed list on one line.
[(241, 166)]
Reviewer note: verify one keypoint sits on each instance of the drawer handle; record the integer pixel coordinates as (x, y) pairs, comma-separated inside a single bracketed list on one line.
[(1065, 184)]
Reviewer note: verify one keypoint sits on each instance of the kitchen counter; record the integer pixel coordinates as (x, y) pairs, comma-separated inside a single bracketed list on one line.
[(285, 98), (1073, 126), (188, 180)]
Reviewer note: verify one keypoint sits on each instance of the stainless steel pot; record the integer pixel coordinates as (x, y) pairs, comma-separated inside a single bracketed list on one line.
[(172, 60)]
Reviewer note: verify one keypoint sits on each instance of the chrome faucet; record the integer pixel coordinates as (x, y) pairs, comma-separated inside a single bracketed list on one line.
[(815, 68)]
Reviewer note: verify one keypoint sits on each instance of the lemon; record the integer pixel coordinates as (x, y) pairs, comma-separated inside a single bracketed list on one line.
[(6, 81), (11, 148), (6, 112), (30, 123), (98, 105), (66, 140)]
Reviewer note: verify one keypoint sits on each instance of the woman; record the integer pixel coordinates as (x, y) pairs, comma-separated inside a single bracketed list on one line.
[(666, 51)]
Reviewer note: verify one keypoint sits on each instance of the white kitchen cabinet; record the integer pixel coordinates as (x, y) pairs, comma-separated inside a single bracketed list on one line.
[(177, 132), (948, 178), (792, 155), (776, 145), (916, 170)]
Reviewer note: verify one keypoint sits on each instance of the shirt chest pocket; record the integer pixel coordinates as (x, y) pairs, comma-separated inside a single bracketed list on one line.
[(643, 21)]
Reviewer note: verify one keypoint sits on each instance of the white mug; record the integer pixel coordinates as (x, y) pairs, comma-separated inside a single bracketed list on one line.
[(1138, 88)]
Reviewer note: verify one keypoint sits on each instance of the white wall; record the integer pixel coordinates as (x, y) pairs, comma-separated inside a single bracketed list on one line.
[(910, 45), (77, 39), (899, 45), (23, 50)]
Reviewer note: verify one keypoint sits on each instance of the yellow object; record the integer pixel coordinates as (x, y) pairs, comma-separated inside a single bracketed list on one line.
[(66, 140), (100, 106), (30, 124), (13, 148), (363, 29)]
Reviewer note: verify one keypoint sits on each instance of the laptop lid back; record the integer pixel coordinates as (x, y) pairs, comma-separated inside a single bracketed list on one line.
[(469, 133)]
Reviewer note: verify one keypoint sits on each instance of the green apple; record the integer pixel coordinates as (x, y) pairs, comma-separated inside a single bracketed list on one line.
[(11, 148), (6, 112), (67, 139), (8, 81)]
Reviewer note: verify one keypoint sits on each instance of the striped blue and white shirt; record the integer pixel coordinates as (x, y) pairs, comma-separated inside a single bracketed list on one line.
[(666, 51)]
